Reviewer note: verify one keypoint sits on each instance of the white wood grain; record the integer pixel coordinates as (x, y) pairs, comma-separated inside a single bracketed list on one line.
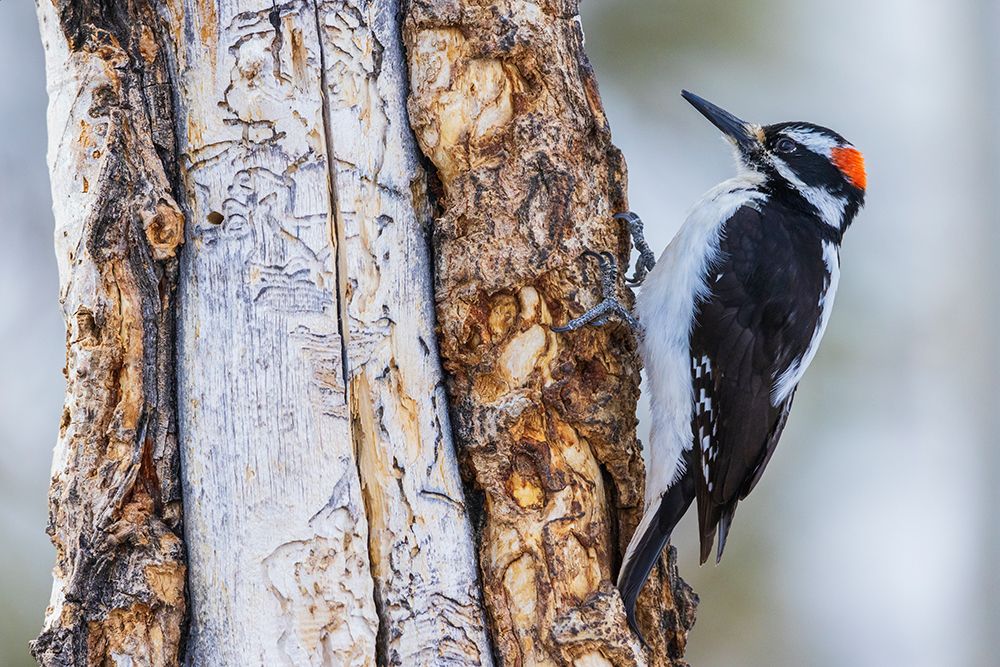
[(421, 549), (313, 487), (274, 518)]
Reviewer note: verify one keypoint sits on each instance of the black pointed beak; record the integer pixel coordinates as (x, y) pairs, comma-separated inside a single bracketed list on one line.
[(740, 132)]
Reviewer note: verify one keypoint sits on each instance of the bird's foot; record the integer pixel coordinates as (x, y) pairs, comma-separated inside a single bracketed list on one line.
[(609, 306), (647, 260)]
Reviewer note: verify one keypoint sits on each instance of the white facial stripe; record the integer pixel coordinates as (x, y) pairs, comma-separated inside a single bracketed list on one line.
[(818, 143), (830, 207)]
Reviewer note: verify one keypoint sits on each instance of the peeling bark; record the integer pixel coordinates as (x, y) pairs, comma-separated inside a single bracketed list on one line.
[(114, 502), (505, 104)]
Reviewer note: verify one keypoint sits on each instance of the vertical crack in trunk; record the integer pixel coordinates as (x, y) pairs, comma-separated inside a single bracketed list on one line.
[(355, 426), (278, 532), (426, 592), (336, 224), (362, 426)]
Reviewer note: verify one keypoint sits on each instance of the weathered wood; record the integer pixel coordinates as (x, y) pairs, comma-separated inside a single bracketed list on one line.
[(114, 503), (277, 536), (504, 103), (420, 539), (325, 519), (326, 522)]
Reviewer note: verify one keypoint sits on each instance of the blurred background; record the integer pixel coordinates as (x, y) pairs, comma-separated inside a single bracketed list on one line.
[(874, 540)]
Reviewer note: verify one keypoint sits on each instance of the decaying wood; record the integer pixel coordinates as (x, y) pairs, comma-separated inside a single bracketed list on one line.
[(277, 536), (114, 502), (325, 520), (420, 538), (504, 103), (325, 517)]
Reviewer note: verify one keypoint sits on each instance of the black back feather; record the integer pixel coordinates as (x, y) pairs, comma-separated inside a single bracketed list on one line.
[(758, 320)]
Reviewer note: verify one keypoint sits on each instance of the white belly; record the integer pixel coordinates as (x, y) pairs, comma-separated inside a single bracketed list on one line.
[(666, 308)]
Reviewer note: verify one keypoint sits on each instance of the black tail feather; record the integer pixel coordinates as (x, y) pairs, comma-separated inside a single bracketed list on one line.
[(644, 555), (725, 521), (707, 542), (714, 519)]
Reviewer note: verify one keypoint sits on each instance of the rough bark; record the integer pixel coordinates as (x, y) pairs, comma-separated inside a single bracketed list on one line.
[(114, 502), (326, 522), (505, 104)]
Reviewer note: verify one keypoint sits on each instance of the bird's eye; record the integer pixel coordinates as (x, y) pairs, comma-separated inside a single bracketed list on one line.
[(785, 145)]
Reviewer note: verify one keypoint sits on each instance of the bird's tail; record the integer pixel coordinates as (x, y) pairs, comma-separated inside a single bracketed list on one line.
[(649, 539), (711, 517)]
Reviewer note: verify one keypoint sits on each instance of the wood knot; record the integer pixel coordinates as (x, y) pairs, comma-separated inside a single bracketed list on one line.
[(164, 227)]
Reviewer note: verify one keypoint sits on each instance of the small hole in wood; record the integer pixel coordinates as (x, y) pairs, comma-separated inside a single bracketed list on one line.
[(215, 218)]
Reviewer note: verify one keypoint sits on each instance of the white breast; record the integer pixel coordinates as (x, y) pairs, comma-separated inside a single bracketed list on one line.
[(666, 308)]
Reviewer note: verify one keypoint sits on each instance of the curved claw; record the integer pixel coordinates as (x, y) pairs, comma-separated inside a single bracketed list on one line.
[(647, 260), (601, 313), (628, 217), (604, 258), (609, 264), (642, 269)]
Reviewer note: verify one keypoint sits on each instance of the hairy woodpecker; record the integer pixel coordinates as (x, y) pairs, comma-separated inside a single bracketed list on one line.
[(729, 319)]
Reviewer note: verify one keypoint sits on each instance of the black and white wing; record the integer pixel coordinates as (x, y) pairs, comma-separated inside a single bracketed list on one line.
[(757, 324)]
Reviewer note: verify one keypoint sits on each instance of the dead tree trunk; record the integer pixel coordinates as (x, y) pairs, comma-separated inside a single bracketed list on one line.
[(114, 503), (325, 516), (505, 104), (257, 159)]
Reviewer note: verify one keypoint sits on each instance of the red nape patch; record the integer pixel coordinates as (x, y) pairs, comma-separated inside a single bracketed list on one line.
[(852, 164)]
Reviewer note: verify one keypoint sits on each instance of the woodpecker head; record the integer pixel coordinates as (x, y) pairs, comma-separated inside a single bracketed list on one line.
[(806, 165)]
